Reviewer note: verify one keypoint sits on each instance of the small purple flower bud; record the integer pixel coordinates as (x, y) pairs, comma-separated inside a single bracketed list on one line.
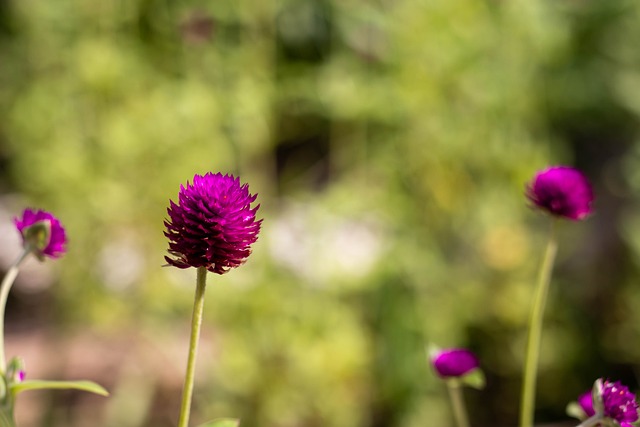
[(454, 362), (585, 400), (562, 191), (619, 403), (15, 370), (42, 233), (213, 225)]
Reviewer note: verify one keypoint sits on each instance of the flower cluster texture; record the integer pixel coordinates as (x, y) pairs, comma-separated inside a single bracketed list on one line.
[(561, 191), (213, 224), (454, 362), (619, 403), (50, 234)]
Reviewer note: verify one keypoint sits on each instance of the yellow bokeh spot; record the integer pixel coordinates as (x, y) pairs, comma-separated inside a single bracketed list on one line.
[(505, 247)]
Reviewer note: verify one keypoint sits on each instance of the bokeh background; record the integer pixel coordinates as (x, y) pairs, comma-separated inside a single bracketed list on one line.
[(389, 141)]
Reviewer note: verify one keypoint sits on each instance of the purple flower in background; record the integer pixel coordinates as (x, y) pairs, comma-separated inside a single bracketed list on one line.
[(213, 225), (454, 362), (42, 233), (585, 400), (619, 403), (562, 191), (15, 370)]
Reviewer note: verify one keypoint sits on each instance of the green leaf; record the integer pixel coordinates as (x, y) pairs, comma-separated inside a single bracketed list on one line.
[(222, 422), (575, 410), (60, 385), (596, 396), (474, 379)]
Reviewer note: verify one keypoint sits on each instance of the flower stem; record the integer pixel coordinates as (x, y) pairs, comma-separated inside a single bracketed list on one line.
[(527, 403), (589, 422), (457, 403), (6, 419), (196, 322), (5, 287)]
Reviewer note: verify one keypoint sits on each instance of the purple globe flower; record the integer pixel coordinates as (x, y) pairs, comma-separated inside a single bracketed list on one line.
[(213, 224), (619, 403), (562, 191), (42, 233), (585, 400), (454, 362)]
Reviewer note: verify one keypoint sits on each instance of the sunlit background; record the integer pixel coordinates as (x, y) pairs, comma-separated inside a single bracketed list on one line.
[(389, 142)]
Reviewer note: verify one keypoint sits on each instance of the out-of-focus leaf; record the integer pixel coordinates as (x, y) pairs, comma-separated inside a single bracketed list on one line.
[(222, 422), (474, 379), (60, 385), (575, 410)]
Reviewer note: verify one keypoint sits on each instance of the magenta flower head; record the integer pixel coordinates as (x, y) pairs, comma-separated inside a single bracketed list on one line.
[(615, 402), (42, 233), (213, 225), (586, 403), (562, 191), (454, 362)]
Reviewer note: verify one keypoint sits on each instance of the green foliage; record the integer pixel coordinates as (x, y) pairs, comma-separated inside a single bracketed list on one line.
[(475, 379), (6, 420), (389, 143), (222, 422), (27, 385)]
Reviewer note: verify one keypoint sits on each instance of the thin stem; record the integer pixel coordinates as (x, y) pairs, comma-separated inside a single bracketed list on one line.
[(589, 422), (457, 403), (5, 287), (527, 403), (6, 419), (196, 322)]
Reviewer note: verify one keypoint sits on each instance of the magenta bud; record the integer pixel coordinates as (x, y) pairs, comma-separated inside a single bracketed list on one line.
[(454, 362), (561, 191), (42, 233)]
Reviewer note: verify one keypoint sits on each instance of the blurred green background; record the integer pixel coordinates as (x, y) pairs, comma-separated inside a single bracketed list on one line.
[(389, 142)]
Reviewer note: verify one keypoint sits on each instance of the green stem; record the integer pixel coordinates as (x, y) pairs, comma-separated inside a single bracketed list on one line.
[(196, 322), (535, 331), (457, 403), (589, 422), (5, 287), (6, 419)]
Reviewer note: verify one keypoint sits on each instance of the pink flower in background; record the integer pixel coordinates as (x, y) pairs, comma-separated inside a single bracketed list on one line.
[(585, 400), (619, 403), (42, 233), (562, 191), (454, 362)]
